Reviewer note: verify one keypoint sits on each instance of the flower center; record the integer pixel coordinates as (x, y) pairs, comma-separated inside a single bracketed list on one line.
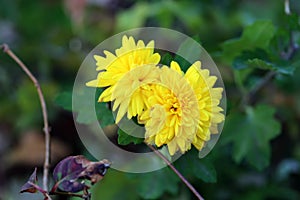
[(174, 108), (173, 105)]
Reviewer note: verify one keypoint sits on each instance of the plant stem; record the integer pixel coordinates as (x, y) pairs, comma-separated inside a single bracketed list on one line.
[(259, 86), (186, 182), (46, 129), (44, 192)]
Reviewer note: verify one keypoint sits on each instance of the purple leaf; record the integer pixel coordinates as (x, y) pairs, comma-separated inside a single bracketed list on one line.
[(30, 185), (76, 173)]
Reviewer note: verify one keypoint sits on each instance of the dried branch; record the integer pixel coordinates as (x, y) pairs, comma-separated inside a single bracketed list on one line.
[(46, 129), (186, 182)]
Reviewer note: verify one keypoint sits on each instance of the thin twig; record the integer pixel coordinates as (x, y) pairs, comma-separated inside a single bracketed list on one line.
[(263, 82), (259, 86), (292, 48), (46, 129), (44, 192), (186, 182)]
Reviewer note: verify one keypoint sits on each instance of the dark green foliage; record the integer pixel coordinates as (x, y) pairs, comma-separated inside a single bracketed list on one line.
[(257, 35), (82, 105), (153, 185), (260, 59), (191, 166), (125, 139), (250, 133)]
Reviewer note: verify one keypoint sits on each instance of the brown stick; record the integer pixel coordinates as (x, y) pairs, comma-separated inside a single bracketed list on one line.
[(186, 182), (46, 129)]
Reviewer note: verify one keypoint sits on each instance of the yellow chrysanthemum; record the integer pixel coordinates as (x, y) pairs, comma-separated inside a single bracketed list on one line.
[(112, 69), (183, 109), (178, 109), (208, 102), (131, 93), (173, 114)]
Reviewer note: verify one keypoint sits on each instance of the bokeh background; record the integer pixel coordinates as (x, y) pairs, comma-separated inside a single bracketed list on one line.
[(53, 37)]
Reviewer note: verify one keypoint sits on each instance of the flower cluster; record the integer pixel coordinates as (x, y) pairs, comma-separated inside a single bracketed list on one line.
[(177, 109)]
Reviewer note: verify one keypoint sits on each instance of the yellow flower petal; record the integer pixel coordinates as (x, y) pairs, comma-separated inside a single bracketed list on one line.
[(113, 67)]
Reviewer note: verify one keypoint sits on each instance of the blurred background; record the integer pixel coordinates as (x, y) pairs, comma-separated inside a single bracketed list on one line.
[(53, 37)]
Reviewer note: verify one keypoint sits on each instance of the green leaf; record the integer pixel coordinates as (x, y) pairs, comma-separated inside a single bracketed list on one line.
[(250, 134), (122, 186), (184, 64), (240, 62), (125, 139), (260, 64), (166, 59), (205, 171), (82, 106), (256, 35), (280, 67), (260, 59), (104, 114), (191, 166), (153, 185)]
